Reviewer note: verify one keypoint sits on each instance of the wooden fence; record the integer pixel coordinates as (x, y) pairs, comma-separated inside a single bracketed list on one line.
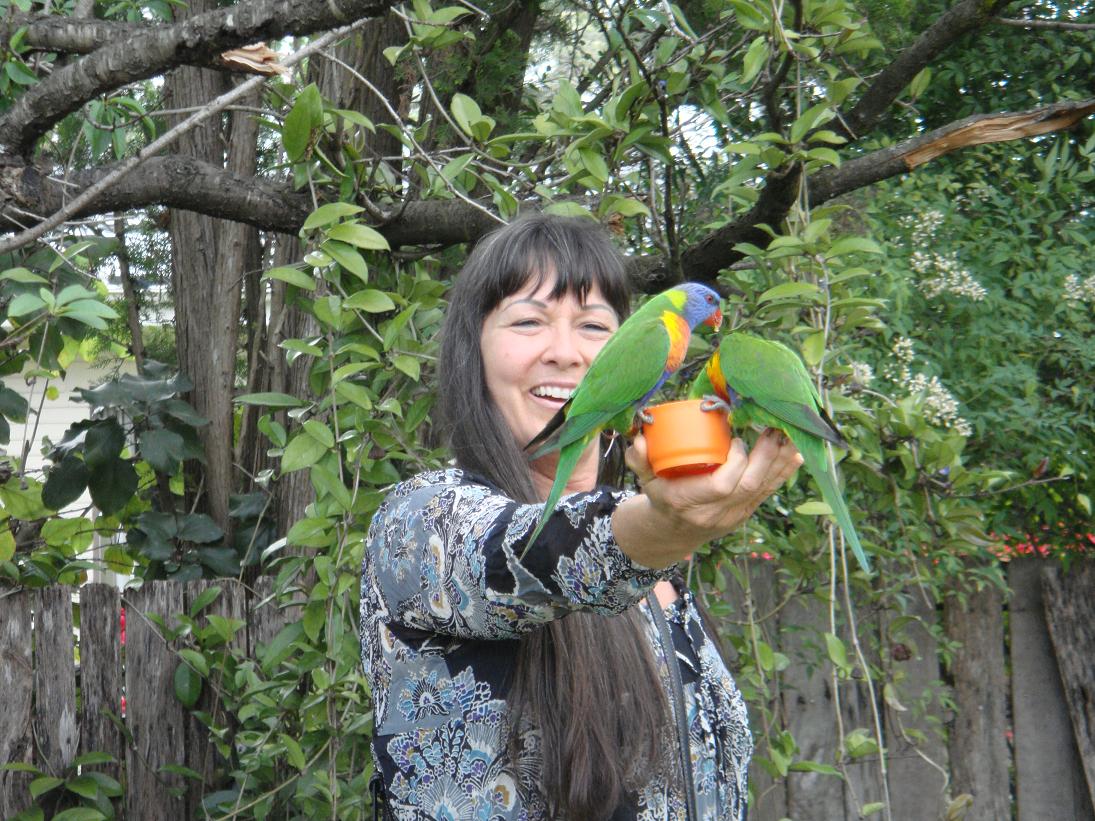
[(43, 723), (1019, 713)]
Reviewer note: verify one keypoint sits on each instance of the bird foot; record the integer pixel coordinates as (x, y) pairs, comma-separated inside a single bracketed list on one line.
[(646, 416), (714, 403)]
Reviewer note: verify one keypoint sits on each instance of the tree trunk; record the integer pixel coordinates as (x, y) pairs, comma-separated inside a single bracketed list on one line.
[(978, 744), (209, 259)]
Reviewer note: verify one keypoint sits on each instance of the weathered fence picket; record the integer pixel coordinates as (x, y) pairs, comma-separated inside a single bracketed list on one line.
[(1051, 615)]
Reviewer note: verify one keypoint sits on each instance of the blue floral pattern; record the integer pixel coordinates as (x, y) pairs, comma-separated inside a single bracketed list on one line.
[(444, 599)]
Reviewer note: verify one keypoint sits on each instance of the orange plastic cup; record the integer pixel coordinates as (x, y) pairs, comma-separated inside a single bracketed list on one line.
[(684, 440)]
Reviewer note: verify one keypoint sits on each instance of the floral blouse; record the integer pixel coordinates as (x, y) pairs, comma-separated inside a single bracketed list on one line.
[(444, 600)]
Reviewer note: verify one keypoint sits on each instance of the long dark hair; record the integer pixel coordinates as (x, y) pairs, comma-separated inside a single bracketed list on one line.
[(587, 682)]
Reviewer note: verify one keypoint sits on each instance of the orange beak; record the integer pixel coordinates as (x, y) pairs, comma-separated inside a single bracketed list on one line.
[(715, 320)]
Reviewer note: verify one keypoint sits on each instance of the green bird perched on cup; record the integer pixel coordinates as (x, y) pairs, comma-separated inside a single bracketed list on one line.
[(765, 383)]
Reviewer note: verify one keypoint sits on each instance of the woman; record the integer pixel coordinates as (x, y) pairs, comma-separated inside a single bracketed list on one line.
[(539, 688)]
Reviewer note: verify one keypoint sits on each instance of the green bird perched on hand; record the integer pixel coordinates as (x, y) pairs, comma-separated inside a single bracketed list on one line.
[(647, 349), (765, 383)]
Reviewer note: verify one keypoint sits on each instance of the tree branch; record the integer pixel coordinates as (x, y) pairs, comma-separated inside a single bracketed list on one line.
[(1063, 25), (960, 19), (908, 155), (69, 35), (195, 40)]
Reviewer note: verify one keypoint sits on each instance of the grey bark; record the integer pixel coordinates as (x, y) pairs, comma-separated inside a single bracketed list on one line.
[(101, 674), (1070, 614), (56, 725), (978, 746), (17, 684), (1049, 779)]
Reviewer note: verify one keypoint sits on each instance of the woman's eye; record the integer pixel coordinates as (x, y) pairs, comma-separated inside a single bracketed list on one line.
[(597, 327), (526, 323)]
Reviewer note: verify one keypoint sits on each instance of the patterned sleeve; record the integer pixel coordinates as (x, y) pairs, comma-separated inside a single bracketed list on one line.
[(444, 558)]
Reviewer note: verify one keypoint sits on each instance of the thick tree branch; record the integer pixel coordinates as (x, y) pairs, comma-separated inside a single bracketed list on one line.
[(193, 185), (957, 21), (195, 40), (908, 155), (68, 35), (1063, 25)]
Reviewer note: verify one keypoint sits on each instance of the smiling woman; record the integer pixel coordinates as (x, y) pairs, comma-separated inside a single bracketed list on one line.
[(550, 685)]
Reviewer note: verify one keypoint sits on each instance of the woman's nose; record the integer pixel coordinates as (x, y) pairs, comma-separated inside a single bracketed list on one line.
[(563, 349)]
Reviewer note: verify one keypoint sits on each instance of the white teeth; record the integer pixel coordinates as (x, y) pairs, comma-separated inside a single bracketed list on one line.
[(552, 392)]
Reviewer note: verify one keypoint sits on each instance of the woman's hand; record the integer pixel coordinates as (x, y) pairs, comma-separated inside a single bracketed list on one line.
[(672, 517)]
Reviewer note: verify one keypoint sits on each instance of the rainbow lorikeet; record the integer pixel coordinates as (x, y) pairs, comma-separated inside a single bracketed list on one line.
[(646, 350), (765, 383)]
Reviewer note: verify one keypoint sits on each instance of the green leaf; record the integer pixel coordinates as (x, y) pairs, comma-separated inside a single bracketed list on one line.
[(23, 275), (813, 348), (40, 786), (162, 449), (303, 451), (93, 758), (408, 364), (223, 561), (315, 615), (13, 405), (814, 767), (837, 652), (204, 599), (188, 685), (280, 646), (814, 114), (294, 276), (320, 432), (293, 753), (466, 112), (568, 209), (788, 290), (25, 304), (112, 485), (848, 245), (355, 393), (331, 212), (269, 400), (354, 233), (814, 508), (80, 814), (82, 785), (103, 443), (89, 307), (306, 114), (755, 58), (7, 544), (66, 482), (872, 808), (19, 73), (920, 82), (348, 257), (370, 300), (197, 527)]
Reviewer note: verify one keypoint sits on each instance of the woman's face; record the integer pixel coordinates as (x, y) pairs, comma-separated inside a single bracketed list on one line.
[(536, 349)]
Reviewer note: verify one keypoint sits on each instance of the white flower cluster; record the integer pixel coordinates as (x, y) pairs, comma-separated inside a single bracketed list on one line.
[(922, 227), (1080, 290), (903, 350), (862, 374), (949, 276), (940, 406)]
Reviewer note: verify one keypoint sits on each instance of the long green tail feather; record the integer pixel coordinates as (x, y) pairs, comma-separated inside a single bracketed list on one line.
[(813, 454), (568, 460)]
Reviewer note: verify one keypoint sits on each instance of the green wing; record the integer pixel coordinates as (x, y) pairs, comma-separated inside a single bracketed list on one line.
[(623, 372), (772, 375)]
